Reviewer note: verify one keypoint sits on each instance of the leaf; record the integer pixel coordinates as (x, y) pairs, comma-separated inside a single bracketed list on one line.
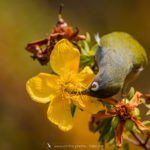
[(88, 39), (146, 123), (142, 101), (86, 47), (108, 106), (139, 124), (86, 61), (114, 122), (91, 53), (105, 129), (136, 112), (94, 47), (113, 144), (110, 135), (119, 133), (131, 93), (115, 148), (73, 108), (134, 102), (135, 129), (148, 106), (148, 112), (83, 51), (129, 124), (125, 145), (96, 127), (147, 98)]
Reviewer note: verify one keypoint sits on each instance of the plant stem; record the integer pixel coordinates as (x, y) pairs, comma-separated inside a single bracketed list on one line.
[(148, 136), (141, 142), (132, 141)]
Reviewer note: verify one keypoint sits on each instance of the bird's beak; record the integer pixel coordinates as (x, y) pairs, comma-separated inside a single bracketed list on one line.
[(84, 92)]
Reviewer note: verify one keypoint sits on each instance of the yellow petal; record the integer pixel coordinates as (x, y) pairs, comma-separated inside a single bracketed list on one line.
[(42, 87), (64, 58), (87, 103), (59, 112), (87, 75)]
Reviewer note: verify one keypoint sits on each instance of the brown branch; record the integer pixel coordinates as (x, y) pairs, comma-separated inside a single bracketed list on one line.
[(140, 140), (147, 138), (132, 141)]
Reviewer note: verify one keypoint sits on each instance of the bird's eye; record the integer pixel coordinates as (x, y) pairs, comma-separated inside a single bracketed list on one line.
[(95, 86)]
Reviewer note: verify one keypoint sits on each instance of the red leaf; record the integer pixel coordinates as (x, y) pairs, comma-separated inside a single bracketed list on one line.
[(147, 98), (104, 115), (119, 133), (134, 101), (111, 101), (139, 124)]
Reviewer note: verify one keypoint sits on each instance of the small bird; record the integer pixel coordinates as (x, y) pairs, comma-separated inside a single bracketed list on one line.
[(120, 59)]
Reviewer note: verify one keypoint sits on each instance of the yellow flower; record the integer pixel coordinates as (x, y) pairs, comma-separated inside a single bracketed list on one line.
[(44, 88)]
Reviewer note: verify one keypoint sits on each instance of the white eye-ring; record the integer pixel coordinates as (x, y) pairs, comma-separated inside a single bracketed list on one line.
[(94, 86)]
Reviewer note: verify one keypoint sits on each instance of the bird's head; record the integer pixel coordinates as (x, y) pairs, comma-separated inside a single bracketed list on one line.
[(102, 88)]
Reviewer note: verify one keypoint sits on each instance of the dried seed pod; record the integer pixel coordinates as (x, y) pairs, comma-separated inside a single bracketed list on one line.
[(60, 30)]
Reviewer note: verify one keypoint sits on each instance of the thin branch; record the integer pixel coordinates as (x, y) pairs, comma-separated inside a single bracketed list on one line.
[(141, 142), (137, 137), (132, 141), (147, 138)]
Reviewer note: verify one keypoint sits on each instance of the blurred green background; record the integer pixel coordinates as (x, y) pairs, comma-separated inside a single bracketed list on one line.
[(23, 123)]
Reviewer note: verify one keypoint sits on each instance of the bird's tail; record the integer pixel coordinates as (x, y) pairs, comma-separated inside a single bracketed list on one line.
[(97, 38)]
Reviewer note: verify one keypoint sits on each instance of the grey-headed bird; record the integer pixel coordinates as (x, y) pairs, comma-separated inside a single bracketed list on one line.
[(120, 59)]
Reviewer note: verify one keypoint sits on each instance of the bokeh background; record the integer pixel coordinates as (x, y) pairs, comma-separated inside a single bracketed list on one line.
[(23, 123)]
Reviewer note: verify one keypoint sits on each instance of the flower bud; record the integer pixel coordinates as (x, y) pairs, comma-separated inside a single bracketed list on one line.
[(136, 112), (114, 122), (129, 124)]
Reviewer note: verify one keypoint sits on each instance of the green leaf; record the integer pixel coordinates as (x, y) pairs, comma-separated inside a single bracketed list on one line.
[(73, 108), (135, 129), (113, 144), (105, 130), (146, 123), (148, 106), (83, 51), (131, 93), (88, 39), (148, 112), (115, 148), (94, 47), (86, 61), (107, 105), (86, 47), (125, 145), (96, 127), (110, 135), (129, 124), (136, 112), (91, 53), (114, 122), (142, 101)]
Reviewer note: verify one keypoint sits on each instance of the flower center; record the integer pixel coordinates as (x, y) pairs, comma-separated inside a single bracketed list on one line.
[(70, 83), (124, 113)]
